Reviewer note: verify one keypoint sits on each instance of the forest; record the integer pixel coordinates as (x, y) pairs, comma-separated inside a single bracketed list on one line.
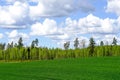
[(17, 51)]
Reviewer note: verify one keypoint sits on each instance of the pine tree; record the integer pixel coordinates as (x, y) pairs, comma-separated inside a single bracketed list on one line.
[(2, 46), (33, 44), (91, 46), (36, 42), (15, 45), (114, 41), (66, 45), (28, 50), (20, 44), (76, 43), (101, 43), (8, 46)]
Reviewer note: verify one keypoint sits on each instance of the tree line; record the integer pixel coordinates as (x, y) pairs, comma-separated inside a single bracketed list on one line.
[(17, 51)]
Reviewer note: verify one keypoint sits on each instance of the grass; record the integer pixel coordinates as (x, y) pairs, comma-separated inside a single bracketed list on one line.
[(103, 68)]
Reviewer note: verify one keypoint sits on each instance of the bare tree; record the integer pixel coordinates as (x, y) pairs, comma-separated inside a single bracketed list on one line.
[(82, 43)]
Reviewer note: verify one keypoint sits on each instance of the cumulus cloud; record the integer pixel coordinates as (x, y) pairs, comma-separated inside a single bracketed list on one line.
[(14, 15), (94, 24), (1, 35), (48, 27), (113, 6), (47, 8), (91, 25), (14, 35), (12, 1), (23, 13)]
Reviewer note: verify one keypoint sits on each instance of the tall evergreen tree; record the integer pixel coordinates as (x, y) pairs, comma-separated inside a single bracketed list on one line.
[(20, 42), (28, 50), (66, 45), (36, 42), (33, 44), (91, 46), (15, 45), (2, 46), (76, 43), (114, 41), (101, 43), (8, 46)]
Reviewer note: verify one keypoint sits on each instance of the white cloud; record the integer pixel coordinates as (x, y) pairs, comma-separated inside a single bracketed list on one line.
[(52, 8), (92, 24), (17, 13), (12, 1), (15, 35), (1, 35), (108, 26), (14, 15), (47, 8), (89, 24), (48, 27), (113, 6)]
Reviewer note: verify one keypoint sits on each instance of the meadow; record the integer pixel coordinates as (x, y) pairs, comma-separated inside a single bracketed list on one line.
[(89, 68)]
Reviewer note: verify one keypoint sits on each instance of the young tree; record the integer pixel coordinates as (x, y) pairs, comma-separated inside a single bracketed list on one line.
[(83, 43), (20, 42), (8, 46), (33, 44), (107, 43), (2, 46), (28, 50), (36, 42), (91, 46), (66, 45), (76, 43), (114, 41), (15, 45), (101, 43)]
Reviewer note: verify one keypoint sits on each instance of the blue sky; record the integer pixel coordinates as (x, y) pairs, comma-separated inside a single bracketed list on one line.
[(54, 22)]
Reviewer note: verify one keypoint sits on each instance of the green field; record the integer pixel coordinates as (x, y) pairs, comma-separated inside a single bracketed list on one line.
[(102, 68)]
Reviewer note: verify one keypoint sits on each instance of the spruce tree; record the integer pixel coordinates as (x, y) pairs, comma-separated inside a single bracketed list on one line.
[(66, 45), (33, 44), (114, 41), (101, 43), (76, 43), (36, 42), (20, 42), (2, 46), (91, 46)]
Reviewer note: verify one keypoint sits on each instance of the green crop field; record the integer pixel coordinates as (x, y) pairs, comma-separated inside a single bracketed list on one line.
[(102, 68)]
